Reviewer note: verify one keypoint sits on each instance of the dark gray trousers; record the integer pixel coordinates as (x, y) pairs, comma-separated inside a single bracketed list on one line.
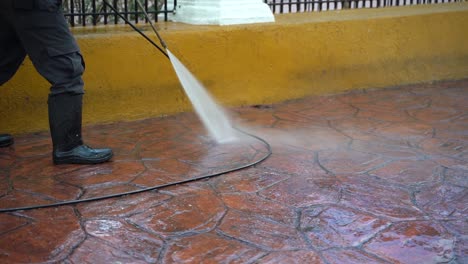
[(37, 28)]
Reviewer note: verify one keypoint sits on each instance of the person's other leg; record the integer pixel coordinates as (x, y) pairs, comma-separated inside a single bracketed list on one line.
[(12, 54)]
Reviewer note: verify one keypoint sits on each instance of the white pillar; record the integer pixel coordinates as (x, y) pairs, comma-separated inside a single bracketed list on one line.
[(222, 12)]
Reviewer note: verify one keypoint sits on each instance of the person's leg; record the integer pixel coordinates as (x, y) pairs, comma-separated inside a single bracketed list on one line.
[(44, 33), (65, 127), (12, 55)]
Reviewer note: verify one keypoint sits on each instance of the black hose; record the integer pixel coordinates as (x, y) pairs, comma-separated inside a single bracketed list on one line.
[(156, 187), (137, 30)]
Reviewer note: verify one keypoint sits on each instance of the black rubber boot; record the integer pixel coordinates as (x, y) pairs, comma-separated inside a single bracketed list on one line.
[(5, 140), (65, 129)]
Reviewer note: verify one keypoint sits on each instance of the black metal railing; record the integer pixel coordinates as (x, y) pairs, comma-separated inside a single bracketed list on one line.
[(296, 6), (94, 12)]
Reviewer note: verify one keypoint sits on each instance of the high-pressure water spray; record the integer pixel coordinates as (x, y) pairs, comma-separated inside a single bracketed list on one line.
[(211, 115)]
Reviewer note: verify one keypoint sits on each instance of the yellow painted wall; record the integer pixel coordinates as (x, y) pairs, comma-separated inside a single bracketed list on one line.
[(298, 55)]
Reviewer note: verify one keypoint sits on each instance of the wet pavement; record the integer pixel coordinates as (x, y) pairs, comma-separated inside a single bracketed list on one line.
[(376, 176)]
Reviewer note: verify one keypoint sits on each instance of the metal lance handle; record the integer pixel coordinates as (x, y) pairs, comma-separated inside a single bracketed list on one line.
[(152, 24)]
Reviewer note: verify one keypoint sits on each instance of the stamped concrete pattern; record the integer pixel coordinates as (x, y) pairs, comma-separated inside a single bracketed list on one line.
[(375, 176)]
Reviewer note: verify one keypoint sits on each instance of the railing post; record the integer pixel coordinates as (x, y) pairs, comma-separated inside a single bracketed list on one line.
[(222, 12)]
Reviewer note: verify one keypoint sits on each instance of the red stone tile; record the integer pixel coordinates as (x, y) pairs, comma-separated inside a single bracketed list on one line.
[(458, 228), (300, 163), (122, 236), (457, 177), (357, 126), (425, 89), (349, 161), (49, 237), (302, 191), (7, 158), (171, 148), (456, 129), (291, 257), (435, 114), (442, 200), (401, 133), (152, 129), (249, 181), (297, 119), (110, 189), (413, 242), (461, 84), (356, 96), (330, 109), (388, 151), (387, 115), (409, 101), (449, 100), (312, 138), (373, 138), (447, 147), (107, 173), (450, 162), (40, 166), (378, 198), (171, 166), (16, 199), (249, 117), (123, 206), (222, 156), (5, 184), (410, 172), (46, 187), (151, 178), (388, 95), (255, 205), (338, 256), (9, 223), (93, 250), (340, 227), (299, 104), (260, 232), (35, 145), (195, 210), (210, 248)]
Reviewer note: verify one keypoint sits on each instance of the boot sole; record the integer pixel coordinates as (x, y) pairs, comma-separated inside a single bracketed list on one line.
[(78, 160)]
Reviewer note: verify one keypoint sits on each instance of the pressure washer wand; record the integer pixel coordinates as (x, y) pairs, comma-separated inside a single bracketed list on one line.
[(139, 31), (152, 24)]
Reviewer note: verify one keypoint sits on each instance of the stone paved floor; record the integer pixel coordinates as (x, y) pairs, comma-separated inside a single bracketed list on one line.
[(366, 177)]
